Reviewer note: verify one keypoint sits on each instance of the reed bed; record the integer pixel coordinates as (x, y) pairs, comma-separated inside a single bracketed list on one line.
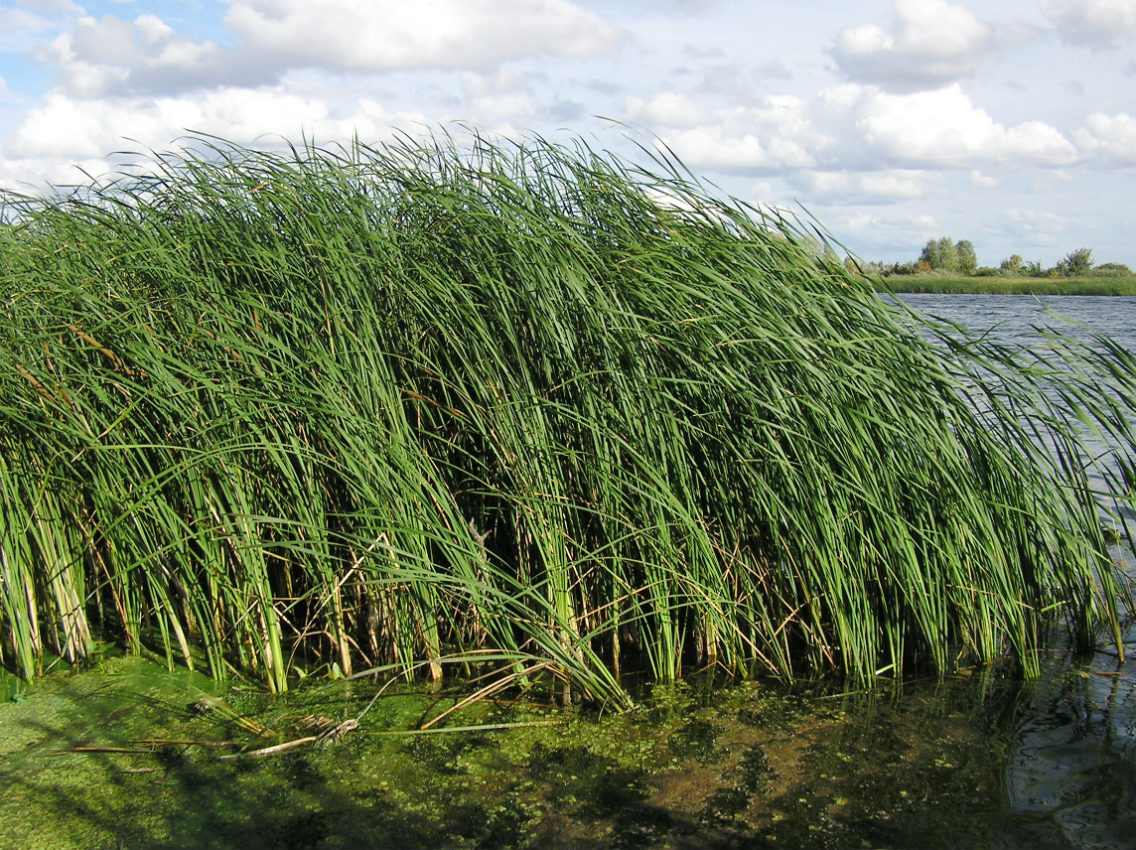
[(521, 411)]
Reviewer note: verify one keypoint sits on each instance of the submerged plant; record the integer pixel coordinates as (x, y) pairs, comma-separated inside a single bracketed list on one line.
[(514, 407)]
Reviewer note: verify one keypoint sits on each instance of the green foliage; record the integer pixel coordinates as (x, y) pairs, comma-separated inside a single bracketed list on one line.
[(1012, 264), (959, 259), (941, 255), (944, 255), (1076, 263), (500, 409), (967, 258), (1112, 270)]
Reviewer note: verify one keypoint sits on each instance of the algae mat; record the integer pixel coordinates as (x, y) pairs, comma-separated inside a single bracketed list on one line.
[(123, 757)]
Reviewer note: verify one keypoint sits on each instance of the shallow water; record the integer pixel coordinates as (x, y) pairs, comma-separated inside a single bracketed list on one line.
[(1070, 775), (977, 760)]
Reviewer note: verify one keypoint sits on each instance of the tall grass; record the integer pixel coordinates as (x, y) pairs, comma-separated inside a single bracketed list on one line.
[(442, 407)]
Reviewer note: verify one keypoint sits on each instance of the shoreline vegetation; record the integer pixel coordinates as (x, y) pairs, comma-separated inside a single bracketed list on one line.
[(1120, 285), (525, 415), (949, 267)]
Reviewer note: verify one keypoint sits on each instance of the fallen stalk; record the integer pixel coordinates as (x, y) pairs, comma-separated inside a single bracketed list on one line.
[(488, 727)]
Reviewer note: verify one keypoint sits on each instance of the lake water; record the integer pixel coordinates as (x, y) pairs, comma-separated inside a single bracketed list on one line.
[(1020, 321), (1012, 318), (1069, 780), (976, 760)]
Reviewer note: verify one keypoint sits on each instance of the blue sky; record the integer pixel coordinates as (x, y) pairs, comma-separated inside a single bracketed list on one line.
[(1012, 124)]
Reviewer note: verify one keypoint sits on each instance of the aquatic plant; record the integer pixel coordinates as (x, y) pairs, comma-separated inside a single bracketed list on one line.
[(522, 410)]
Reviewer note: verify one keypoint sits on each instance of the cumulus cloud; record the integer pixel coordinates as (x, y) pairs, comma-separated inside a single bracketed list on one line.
[(878, 187), (850, 129), (711, 147), (1032, 226), (500, 112), (776, 134), (19, 21), (511, 95), (19, 26), (70, 129), (943, 129), (1111, 138), (882, 229), (690, 7), (113, 56), (48, 7), (726, 79), (1093, 23), (503, 80), (666, 109), (931, 43), (390, 34)]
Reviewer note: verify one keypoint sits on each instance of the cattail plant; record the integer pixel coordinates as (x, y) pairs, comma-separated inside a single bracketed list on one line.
[(513, 407)]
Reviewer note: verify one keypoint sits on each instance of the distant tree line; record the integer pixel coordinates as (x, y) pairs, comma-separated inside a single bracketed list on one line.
[(947, 257)]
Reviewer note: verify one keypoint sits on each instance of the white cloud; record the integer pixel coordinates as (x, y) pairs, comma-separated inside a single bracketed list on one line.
[(712, 148), (502, 109), (730, 80), (49, 7), (690, 7), (851, 128), (503, 80), (944, 129), (62, 127), (1094, 23), (18, 26), (666, 109), (152, 29), (390, 34), (15, 20), (71, 129), (983, 181), (112, 56), (931, 43), (109, 40), (1111, 138), (878, 232), (884, 186), (1034, 227), (775, 135)]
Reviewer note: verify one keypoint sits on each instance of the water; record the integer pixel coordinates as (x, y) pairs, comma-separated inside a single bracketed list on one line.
[(977, 760), (1012, 318), (1070, 772)]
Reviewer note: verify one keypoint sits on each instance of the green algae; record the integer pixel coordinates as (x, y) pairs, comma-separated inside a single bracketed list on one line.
[(690, 767), (59, 799)]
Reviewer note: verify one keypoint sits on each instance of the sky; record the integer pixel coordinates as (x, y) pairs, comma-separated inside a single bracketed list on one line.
[(892, 122)]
